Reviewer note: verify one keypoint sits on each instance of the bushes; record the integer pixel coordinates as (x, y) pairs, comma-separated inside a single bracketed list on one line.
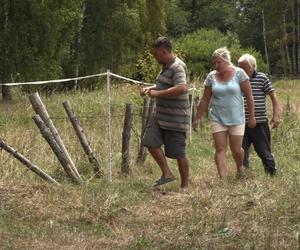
[(199, 46)]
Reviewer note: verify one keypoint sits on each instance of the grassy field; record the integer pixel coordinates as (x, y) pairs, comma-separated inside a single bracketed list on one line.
[(254, 213)]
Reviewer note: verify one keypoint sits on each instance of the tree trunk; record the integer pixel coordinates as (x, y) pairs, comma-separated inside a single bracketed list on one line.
[(6, 92), (298, 36), (294, 61), (286, 48), (265, 41)]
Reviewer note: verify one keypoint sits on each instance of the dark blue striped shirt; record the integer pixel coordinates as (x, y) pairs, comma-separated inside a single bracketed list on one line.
[(261, 87)]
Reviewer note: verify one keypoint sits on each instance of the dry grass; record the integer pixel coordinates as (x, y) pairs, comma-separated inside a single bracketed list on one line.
[(254, 213)]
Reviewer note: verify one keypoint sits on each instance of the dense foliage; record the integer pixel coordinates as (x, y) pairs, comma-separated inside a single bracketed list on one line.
[(44, 39)]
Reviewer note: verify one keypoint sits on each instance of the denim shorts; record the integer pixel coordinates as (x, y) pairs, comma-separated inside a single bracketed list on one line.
[(173, 141)]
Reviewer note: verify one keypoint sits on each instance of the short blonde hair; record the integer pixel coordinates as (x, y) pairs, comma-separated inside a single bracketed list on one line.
[(249, 59), (222, 53)]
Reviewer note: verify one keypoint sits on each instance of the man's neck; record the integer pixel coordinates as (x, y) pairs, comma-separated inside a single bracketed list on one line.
[(169, 59)]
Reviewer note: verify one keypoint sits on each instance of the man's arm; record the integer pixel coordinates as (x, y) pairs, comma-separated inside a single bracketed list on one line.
[(276, 110), (177, 90)]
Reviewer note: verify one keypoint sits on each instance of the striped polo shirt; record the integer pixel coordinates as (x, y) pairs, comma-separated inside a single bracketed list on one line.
[(173, 112), (261, 87)]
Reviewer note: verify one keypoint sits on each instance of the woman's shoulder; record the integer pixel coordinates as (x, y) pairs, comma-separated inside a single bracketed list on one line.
[(212, 73), (238, 70), (210, 78)]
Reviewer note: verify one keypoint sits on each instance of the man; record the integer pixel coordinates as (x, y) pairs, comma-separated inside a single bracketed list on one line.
[(260, 135), (169, 124)]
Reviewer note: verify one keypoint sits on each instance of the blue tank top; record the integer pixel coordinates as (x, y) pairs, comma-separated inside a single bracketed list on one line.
[(227, 104)]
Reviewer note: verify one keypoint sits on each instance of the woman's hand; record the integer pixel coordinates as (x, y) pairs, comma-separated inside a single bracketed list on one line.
[(196, 124)]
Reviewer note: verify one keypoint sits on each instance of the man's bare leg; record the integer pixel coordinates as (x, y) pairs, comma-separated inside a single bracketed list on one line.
[(183, 166), (161, 160)]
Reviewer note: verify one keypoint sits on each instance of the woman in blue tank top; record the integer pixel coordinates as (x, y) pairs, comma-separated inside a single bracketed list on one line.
[(224, 89)]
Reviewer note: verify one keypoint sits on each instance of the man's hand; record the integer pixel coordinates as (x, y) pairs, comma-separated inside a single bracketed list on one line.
[(252, 122), (144, 91), (275, 121)]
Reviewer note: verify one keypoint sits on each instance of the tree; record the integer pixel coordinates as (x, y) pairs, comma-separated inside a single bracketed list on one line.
[(36, 37), (115, 31)]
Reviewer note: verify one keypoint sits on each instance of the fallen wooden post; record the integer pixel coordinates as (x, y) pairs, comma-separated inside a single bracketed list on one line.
[(40, 109), (46, 133), (83, 139), (26, 162), (126, 139)]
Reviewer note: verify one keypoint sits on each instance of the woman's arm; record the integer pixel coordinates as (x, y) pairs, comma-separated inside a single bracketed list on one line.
[(202, 107), (246, 88)]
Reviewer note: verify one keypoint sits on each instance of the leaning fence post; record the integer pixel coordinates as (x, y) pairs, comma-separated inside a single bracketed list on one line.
[(46, 133), (142, 150), (126, 139), (40, 109), (26, 162), (83, 139)]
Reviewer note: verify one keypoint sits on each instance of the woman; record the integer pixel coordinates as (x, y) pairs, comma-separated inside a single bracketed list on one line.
[(224, 89)]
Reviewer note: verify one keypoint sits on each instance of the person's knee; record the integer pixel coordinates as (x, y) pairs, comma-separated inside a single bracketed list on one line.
[(237, 151), (220, 150)]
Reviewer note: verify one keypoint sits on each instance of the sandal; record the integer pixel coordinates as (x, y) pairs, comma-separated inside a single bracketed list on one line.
[(163, 180)]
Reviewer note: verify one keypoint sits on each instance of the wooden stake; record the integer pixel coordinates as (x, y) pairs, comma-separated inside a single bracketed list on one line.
[(83, 139), (45, 131), (26, 162), (142, 150), (109, 132), (126, 139), (40, 109)]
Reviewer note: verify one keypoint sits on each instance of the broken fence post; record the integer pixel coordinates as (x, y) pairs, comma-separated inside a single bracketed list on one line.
[(126, 139), (82, 138), (40, 109), (26, 162), (46, 133)]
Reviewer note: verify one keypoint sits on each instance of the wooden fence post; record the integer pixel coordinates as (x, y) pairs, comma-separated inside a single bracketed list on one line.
[(147, 113), (142, 150), (83, 139), (151, 109), (192, 105), (45, 131), (126, 139), (26, 162), (40, 109)]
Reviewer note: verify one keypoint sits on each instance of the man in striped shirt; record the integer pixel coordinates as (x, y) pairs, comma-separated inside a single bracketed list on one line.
[(260, 135), (169, 124)]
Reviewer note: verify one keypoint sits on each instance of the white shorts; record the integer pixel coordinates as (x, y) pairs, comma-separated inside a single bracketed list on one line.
[(233, 130)]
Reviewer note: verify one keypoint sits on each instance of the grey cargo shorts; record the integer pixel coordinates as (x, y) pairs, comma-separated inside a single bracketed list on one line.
[(173, 141)]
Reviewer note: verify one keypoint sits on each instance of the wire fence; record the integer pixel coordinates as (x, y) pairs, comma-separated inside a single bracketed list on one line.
[(114, 112)]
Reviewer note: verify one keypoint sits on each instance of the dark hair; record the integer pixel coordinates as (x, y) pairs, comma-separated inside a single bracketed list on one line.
[(163, 42)]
